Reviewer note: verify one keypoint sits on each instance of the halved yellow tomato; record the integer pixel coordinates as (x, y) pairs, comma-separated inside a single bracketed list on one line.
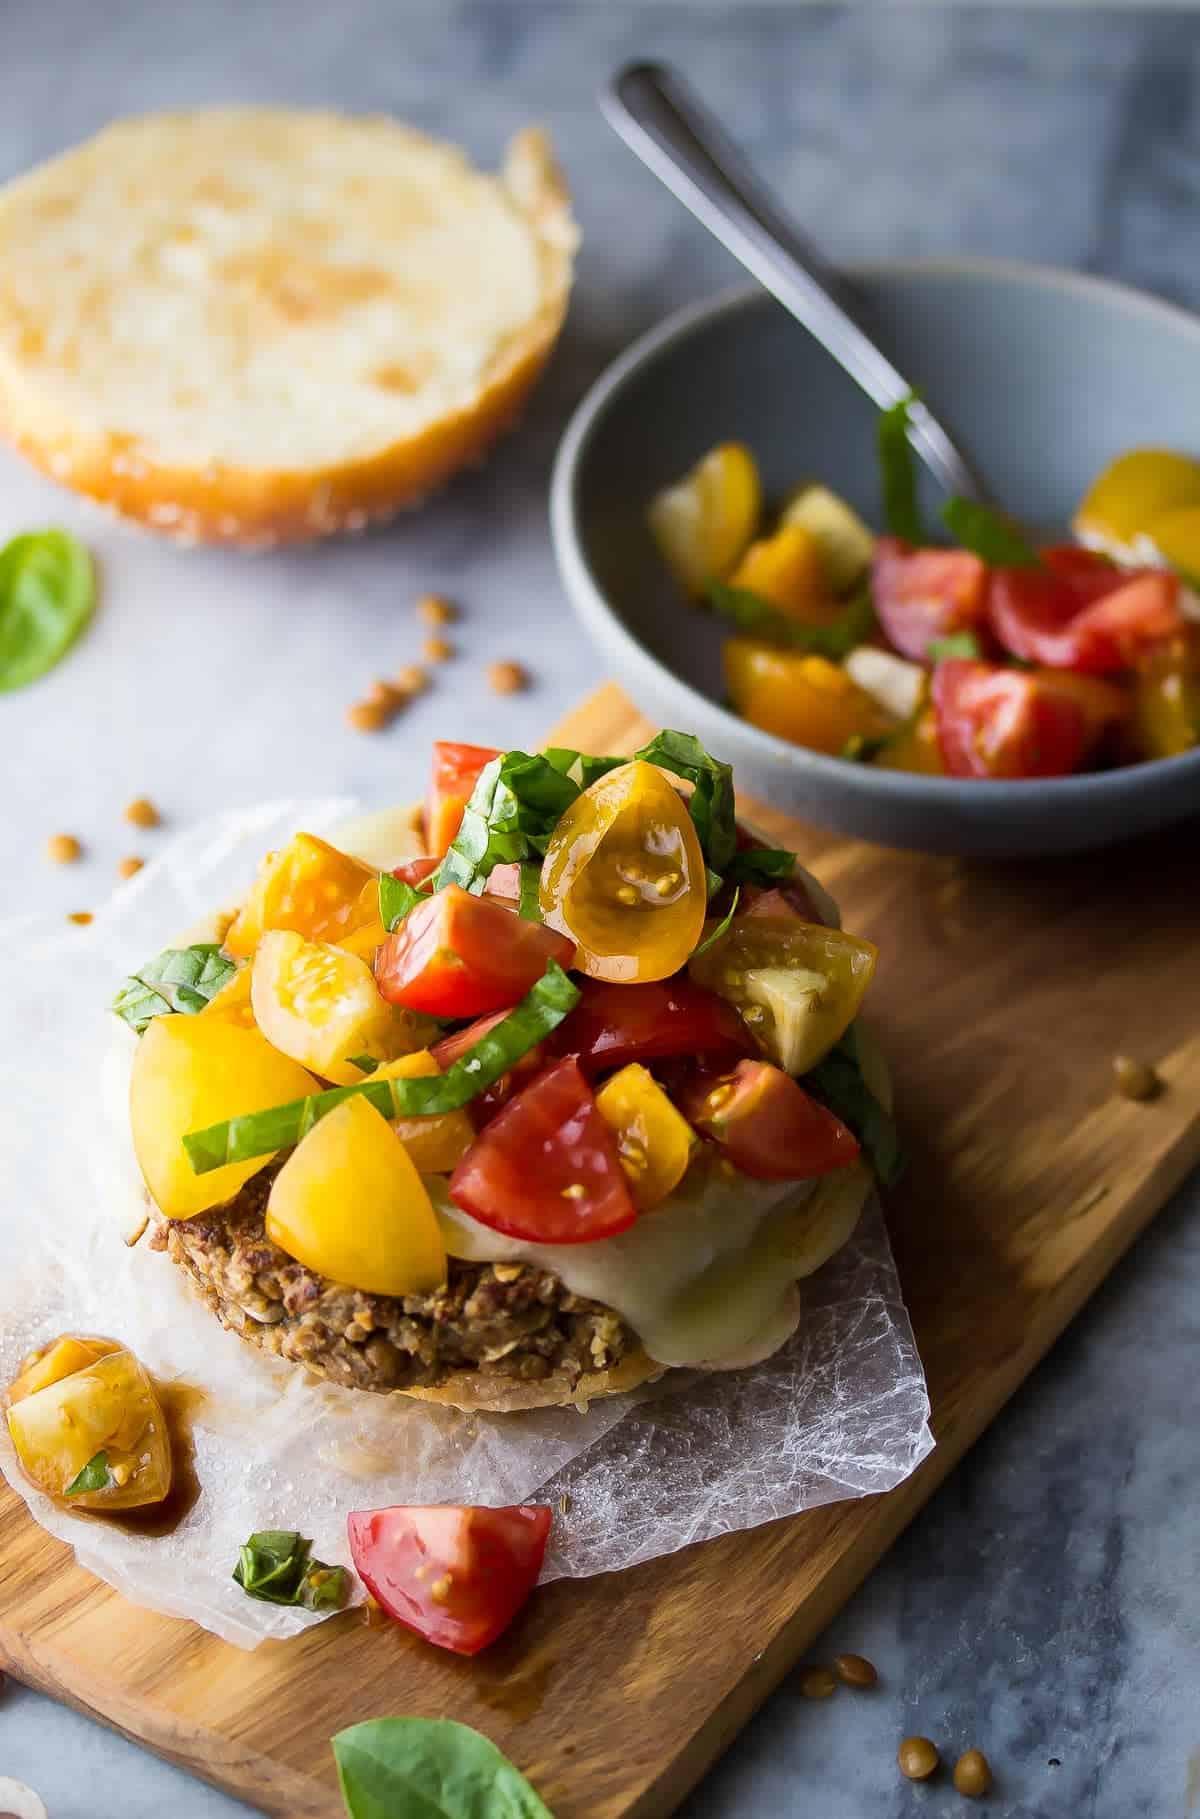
[(915, 748), (54, 1362), (232, 1003), (1133, 491), (654, 1141), (788, 570), (845, 542), (797, 984), (805, 699), (349, 1204), (624, 877), (188, 1073), (105, 1415), (1174, 539), (321, 1006), (1166, 702), (307, 886), (435, 1144), (704, 522)]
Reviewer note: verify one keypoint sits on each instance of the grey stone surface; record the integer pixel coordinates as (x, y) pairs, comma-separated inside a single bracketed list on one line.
[(1046, 1606)]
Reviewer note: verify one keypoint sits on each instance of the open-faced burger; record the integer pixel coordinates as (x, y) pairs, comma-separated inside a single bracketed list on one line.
[(519, 1098)]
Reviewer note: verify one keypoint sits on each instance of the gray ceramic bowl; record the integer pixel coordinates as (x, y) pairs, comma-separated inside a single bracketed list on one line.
[(1042, 375)]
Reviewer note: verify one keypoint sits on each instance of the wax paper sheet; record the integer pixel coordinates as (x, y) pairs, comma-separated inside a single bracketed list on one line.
[(841, 1411)]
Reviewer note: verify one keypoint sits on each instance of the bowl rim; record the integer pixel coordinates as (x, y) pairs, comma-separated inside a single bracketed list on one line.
[(602, 620)]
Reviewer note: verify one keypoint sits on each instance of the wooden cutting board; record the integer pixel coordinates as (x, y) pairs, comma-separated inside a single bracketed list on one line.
[(1003, 994)]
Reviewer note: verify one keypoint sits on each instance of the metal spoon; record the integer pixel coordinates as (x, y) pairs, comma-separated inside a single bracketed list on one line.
[(658, 116)]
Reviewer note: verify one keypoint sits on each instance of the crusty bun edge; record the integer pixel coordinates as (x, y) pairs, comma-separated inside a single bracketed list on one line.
[(478, 1393), (261, 508)]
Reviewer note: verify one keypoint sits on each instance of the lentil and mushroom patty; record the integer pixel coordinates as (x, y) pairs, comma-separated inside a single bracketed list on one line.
[(502, 1319)]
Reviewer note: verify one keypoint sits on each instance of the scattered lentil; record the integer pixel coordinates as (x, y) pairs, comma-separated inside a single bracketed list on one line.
[(411, 678), (369, 716), (507, 678), (437, 650), (435, 609), (972, 1774), (63, 849), (918, 1758), (855, 1670), (1136, 1080), (386, 694), (128, 868), (80, 917), (142, 812), (817, 1683)]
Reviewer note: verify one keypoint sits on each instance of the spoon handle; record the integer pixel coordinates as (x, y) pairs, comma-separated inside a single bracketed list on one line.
[(660, 119)]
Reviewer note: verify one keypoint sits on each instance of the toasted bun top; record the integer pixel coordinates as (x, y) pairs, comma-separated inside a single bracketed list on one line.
[(268, 288)]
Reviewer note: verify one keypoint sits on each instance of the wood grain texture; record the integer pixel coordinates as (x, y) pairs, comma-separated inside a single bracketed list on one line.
[(1002, 995)]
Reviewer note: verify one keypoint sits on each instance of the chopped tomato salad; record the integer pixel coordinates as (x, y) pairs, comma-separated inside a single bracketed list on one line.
[(898, 651)]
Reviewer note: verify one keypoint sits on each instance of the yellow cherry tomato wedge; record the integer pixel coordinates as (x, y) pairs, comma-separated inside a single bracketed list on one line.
[(805, 699), (704, 522), (321, 1006), (788, 569), (914, 748), (1166, 702), (624, 877), (654, 1141), (307, 886), (54, 1362), (1138, 487), (232, 1003), (797, 984), (436, 1143), (1175, 540), (349, 1204), (105, 1415)]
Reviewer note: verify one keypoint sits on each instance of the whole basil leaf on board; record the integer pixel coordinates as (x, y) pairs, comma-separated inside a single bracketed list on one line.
[(179, 979), (47, 592), (276, 1567), (429, 1768)]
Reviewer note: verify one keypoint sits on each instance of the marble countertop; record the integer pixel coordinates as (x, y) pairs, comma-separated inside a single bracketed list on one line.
[(1047, 1604)]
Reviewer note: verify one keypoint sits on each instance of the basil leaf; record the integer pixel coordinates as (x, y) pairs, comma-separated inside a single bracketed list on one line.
[(838, 1082), (859, 749), (958, 644), (711, 802), (47, 592), (275, 1567), (179, 979), (281, 1126), (988, 535), (722, 927), (366, 1064), (581, 767), (95, 1476), (429, 1768), (517, 802), (761, 865), (396, 899), (751, 613), (529, 905), (898, 471)]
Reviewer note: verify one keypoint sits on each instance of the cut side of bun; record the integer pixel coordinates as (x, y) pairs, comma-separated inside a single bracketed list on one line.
[(259, 326)]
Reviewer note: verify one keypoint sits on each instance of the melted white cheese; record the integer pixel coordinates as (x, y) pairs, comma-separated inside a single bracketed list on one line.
[(708, 1275)]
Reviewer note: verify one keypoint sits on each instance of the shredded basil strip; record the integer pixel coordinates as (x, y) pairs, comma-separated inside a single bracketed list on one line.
[(581, 767), (838, 1082), (282, 1126), (958, 644), (517, 802), (366, 1064), (276, 1567), (898, 471), (751, 613), (396, 899), (988, 534), (179, 979), (529, 903), (95, 1476), (429, 1768), (722, 927), (47, 593), (761, 865)]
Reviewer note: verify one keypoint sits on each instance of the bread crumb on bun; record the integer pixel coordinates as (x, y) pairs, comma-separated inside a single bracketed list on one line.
[(258, 326)]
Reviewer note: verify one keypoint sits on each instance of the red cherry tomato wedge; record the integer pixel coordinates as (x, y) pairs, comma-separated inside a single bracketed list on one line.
[(458, 1576), (923, 594), (1003, 723), (1063, 621), (483, 1108), (1088, 575), (547, 1169), (767, 1124), (613, 1024), (414, 872), (456, 771), (456, 955)]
